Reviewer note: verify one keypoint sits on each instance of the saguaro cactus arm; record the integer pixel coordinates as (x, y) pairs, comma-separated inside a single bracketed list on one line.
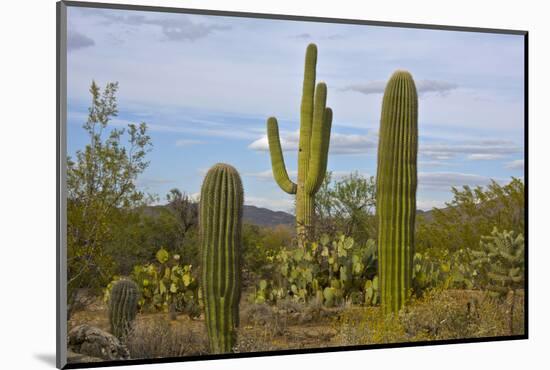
[(306, 113), (320, 137), (277, 160), (324, 150)]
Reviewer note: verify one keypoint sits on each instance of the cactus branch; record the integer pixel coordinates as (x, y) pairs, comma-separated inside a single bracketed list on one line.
[(277, 160)]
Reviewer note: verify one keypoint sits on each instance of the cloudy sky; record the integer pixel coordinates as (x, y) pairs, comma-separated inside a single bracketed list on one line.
[(205, 86)]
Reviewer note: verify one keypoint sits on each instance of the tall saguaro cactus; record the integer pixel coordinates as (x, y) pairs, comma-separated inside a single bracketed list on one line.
[(315, 124), (123, 307), (396, 189), (221, 207)]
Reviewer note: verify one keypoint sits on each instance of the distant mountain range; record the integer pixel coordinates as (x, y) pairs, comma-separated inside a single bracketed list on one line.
[(266, 217), (251, 215)]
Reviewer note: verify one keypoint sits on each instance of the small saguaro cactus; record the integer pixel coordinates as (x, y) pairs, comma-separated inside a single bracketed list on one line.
[(123, 307), (221, 207), (315, 125), (396, 189)]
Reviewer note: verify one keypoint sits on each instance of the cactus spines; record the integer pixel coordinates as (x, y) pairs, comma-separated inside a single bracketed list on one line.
[(123, 307), (396, 189), (221, 207), (315, 125)]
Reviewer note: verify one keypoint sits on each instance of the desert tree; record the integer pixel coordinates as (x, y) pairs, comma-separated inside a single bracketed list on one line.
[(101, 187)]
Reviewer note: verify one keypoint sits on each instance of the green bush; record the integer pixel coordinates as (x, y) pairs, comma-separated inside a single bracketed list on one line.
[(471, 214)]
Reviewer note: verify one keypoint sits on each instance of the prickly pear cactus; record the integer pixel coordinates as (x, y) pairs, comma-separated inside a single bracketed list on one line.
[(221, 208), (123, 307)]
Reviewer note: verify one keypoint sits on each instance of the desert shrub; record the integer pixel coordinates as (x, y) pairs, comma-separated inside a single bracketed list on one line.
[(440, 315), (454, 314), (347, 205), (165, 285), (101, 189), (437, 315), (156, 338), (471, 214), (327, 272), (261, 244)]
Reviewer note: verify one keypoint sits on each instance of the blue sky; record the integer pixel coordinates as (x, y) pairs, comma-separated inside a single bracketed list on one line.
[(205, 86)]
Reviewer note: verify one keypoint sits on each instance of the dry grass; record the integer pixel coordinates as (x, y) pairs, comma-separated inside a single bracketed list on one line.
[(159, 337), (288, 325), (437, 315)]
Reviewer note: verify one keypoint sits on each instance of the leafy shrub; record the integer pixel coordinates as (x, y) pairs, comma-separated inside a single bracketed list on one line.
[(165, 285), (471, 214), (261, 244)]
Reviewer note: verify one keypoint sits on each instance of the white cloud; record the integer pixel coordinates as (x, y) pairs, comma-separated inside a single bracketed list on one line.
[(267, 175), (445, 180), (146, 182), (173, 27), (518, 164), (475, 150), (283, 203), (303, 36), (223, 130), (339, 143), (77, 40), (439, 163), (484, 157), (422, 86), (427, 204), (188, 142)]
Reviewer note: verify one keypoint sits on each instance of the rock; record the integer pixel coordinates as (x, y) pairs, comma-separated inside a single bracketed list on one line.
[(73, 357), (320, 333), (93, 342)]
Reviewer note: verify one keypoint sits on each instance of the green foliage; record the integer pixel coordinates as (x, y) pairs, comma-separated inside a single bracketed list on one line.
[(123, 306), (164, 283), (501, 262), (315, 125), (347, 205), (261, 244), (221, 209), (472, 213), (101, 189), (325, 272), (396, 189), (142, 231)]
